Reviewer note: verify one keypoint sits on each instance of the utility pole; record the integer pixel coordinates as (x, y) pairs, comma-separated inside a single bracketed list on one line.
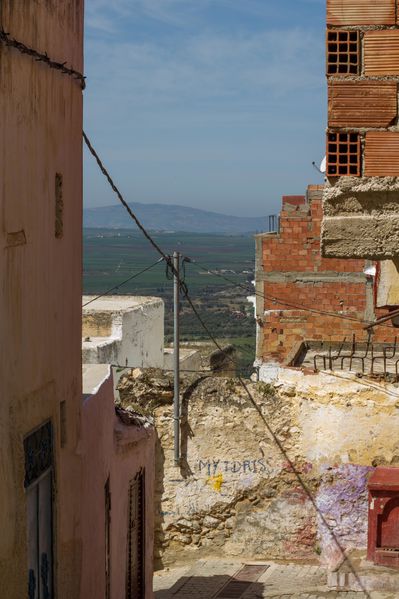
[(176, 355)]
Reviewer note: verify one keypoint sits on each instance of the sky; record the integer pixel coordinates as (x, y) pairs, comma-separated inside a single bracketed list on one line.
[(215, 104)]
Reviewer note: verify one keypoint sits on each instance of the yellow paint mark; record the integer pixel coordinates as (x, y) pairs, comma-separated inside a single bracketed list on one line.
[(216, 482)]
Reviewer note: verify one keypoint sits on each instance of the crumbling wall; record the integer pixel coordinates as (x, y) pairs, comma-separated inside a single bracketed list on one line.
[(235, 492)]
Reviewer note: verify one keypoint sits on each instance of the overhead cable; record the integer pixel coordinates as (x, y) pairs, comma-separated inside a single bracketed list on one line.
[(40, 57), (283, 451), (137, 274), (281, 301), (11, 42), (125, 204)]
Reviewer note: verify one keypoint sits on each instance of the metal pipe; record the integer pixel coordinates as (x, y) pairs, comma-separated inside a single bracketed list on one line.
[(382, 319), (176, 356)]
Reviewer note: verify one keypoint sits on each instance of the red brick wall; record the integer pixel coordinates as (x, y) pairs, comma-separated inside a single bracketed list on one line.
[(349, 298), (296, 249)]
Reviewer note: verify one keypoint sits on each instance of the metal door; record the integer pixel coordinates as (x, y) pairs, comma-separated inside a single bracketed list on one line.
[(39, 505)]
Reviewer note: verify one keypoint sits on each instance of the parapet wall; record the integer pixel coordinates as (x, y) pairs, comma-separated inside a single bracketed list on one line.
[(124, 331)]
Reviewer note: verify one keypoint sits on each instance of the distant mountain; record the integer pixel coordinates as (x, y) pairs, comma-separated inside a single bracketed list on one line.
[(170, 217)]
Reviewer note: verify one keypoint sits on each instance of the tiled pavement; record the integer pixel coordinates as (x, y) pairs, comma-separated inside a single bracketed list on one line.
[(206, 579)]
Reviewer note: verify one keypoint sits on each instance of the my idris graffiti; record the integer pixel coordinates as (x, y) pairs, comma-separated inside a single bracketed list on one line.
[(211, 467)]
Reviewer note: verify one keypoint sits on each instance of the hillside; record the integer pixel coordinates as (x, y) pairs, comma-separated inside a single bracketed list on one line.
[(170, 217)]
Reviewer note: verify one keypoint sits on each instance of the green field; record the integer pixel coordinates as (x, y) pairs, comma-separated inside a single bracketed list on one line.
[(111, 256)]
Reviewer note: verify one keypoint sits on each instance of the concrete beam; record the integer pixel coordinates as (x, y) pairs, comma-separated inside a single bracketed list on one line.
[(370, 237), (361, 218), (311, 277)]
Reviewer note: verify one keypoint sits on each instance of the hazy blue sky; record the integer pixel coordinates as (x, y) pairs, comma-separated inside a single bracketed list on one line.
[(218, 104)]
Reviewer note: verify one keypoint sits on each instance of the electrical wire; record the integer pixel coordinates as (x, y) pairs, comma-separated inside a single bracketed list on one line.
[(282, 301), (43, 57), (106, 174), (361, 381), (283, 451), (184, 289), (137, 274), (5, 38), (169, 262)]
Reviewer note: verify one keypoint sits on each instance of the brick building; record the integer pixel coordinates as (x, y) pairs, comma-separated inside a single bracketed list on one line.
[(361, 208), (292, 274)]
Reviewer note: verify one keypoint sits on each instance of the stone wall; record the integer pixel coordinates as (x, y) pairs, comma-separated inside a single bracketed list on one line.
[(236, 493)]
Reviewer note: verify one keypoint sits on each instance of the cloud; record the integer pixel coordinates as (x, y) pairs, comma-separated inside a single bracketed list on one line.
[(207, 67), (172, 12), (203, 97), (180, 12)]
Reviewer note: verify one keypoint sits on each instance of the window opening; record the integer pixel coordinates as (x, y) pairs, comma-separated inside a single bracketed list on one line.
[(343, 52), (59, 207), (343, 154)]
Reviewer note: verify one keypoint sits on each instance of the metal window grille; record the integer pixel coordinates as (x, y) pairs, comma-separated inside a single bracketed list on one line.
[(135, 580), (343, 154), (343, 52)]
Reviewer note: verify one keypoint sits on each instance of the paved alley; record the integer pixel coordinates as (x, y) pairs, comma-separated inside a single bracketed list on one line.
[(235, 580)]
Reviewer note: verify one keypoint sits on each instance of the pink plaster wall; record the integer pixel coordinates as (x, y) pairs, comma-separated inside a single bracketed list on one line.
[(112, 449), (40, 290)]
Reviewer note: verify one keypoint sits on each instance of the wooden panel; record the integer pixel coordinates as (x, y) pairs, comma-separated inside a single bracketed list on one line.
[(361, 12), (107, 506), (381, 52), (135, 580), (361, 103), (382, 154)]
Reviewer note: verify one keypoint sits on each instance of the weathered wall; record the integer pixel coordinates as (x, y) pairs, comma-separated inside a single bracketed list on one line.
[(124, 330), (40, 292), (361, 218), (291, 273), (236, 494), (111, 450)]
